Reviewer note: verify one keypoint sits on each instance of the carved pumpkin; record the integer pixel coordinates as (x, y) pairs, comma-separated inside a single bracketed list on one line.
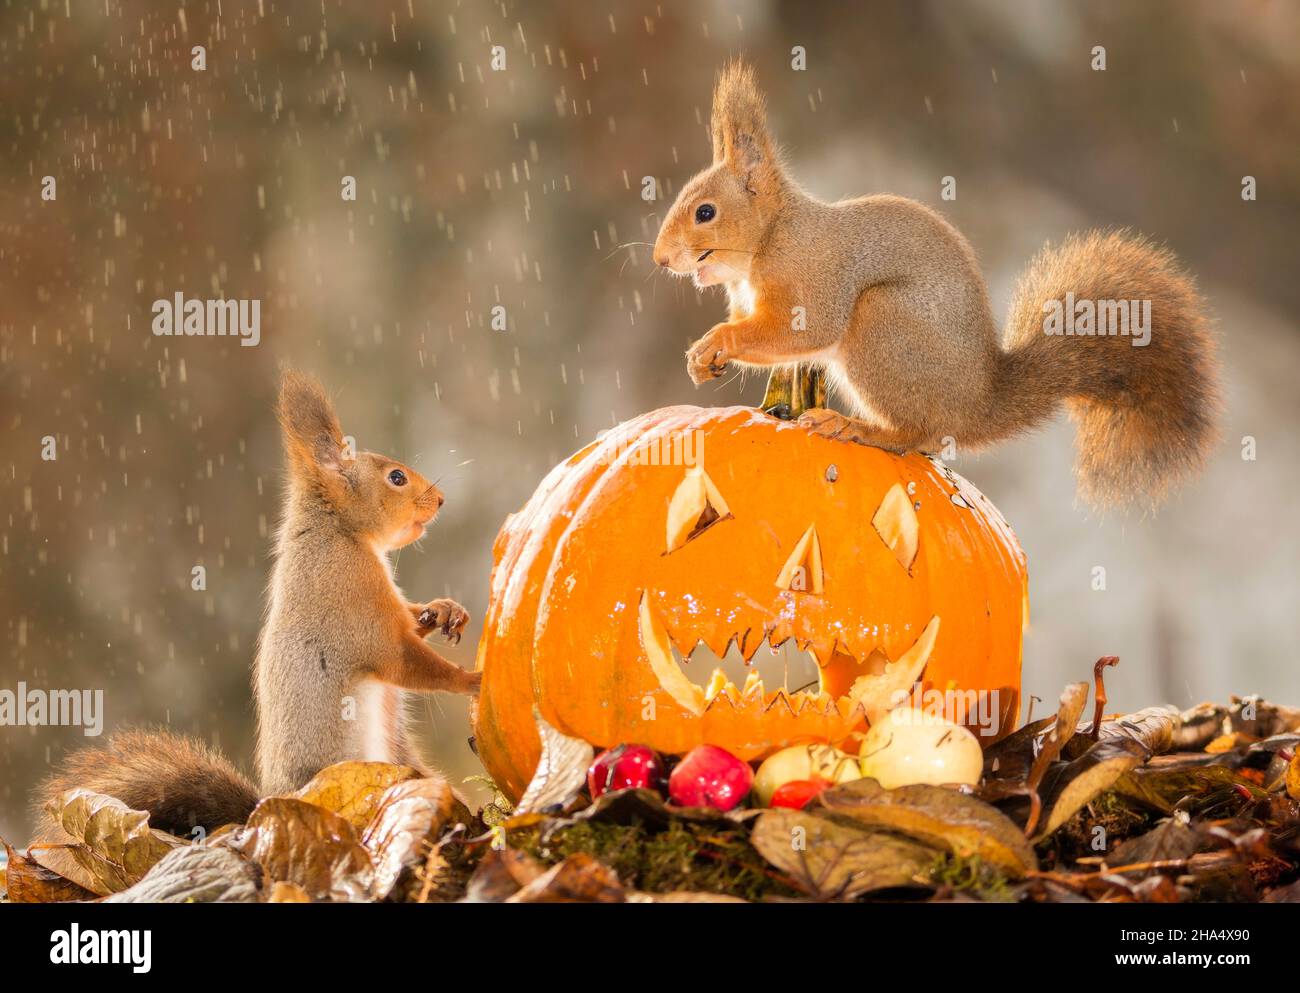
[(888, 569)]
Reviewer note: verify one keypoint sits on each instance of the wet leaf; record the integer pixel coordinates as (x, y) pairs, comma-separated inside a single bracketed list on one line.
[(60, 860), (940, 817), (1153, 728), (1284, 894), (1162, 788), (501, 874), (833, 861), (284, 892), (578, 879), (196, 874), (681, 896), (561, 771), (27, 881), (410, 817), (299, 842), (1087, 777), (115, 846), (1073, 699), (353, 790), (1012, 757), (1172, 840)]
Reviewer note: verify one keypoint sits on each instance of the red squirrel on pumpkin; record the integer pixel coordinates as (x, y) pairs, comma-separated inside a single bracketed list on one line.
[(892, 306)]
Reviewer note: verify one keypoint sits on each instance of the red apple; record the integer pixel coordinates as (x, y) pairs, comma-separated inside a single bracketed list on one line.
[(626, 767), (708, 776), (796, 793)]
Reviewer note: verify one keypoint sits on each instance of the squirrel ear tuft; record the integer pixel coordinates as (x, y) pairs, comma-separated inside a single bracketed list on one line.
[(311, 428), (739, 122)]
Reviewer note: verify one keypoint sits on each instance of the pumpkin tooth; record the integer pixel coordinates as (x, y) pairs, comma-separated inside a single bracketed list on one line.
[(753, 687), (717, 683), (777, 700), (876, 693), (723, 699), (822, 651), (659, 653)]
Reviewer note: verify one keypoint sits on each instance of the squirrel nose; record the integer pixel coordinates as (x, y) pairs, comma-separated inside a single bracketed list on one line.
[(661, 258)]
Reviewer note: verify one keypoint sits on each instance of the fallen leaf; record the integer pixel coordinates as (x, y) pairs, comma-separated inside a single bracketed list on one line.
[(1087, 777), (940, 817), (411, 815), (196, 874), (1172, 840), (1164, 787), (114, 843), (1073, 699), (1153, 728), (27, 881), (561, 771), (580, 878), (60, 860), (353, 789), (299, 842), (1284, 894), (501, 874), (286, 892), (1293, 777), (680, 896), (833, 861)]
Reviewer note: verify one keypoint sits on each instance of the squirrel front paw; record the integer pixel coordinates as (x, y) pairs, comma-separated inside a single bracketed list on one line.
[(707, 358), (443, 615)]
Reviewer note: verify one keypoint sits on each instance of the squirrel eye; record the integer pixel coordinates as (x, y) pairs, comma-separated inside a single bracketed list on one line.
[(397, 477), (705, 212)]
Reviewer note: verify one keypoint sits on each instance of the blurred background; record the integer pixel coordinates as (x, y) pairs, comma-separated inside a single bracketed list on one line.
[(478, 188)]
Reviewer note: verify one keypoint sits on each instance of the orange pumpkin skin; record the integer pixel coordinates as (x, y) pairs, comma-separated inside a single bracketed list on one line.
[(566, 629)]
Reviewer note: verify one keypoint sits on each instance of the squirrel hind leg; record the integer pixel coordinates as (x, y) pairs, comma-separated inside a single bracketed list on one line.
[(832, 424)]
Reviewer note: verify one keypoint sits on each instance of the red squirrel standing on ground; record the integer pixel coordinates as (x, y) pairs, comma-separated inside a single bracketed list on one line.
[(339, 652)]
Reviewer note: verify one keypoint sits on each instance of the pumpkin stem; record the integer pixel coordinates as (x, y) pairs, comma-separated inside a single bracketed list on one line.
[(792, 389)]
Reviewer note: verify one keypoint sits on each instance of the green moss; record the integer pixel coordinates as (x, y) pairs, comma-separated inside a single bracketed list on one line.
[(681, 855), (971, 874)]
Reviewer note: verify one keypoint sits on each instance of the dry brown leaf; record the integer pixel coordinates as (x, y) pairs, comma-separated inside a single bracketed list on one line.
[(937, 816), (27, 881), (1293, 777), (561, 771), (1087, 777), (580, 878), (1073, 699), (353, 789), (196, 874), (299, 842), (500, 874), (115, 844), (286, 892), (832, 861), (411, 816)]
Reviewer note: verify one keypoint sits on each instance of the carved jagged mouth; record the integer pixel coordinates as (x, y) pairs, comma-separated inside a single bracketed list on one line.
[(845, 683)]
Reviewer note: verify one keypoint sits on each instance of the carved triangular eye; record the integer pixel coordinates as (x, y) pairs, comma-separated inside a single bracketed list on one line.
[(695, 507), (896, 523), (802, 572)]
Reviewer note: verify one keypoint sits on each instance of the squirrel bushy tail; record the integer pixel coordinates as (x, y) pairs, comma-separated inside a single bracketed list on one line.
[(1146, 414), (181, 782)]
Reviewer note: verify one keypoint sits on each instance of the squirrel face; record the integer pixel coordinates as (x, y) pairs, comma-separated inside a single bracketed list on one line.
[(712, 230), (719, 221), (390, 503), (370, 496)]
